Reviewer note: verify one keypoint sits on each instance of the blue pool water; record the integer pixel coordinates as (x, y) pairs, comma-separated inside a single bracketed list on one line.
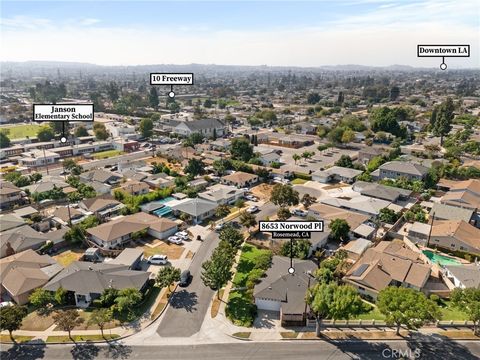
[(166, 210)]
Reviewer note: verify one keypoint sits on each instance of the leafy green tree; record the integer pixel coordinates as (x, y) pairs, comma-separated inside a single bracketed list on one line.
[(404, 306), (241, 149), (348, 136), (231, 235), (11, 318), (35, 177), (222, 210), (335, 135), (167, 276), (283, 213), (194, 167), (442, 118), (344, 161), (387, 119), (153, 98), (339, 229), (67, 320), (76, 235), (127, 300), (4, 140), (388, 215), (296, 157), (40, 298), (297, 248), (468, 300), (307, 200), (100, 131), (101, 317), (207, 103), (146, 127), (45, 133), (60, 296), (216, 272), (113, 91), (48, 92), (108, 297), (81, 131), (329, 300), (313, 98), (284, 195), (247, 219)]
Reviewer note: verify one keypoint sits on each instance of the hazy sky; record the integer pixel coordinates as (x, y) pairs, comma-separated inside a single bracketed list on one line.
[(310, 33)]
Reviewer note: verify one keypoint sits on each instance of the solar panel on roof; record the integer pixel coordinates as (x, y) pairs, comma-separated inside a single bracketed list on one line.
[(361, 269)]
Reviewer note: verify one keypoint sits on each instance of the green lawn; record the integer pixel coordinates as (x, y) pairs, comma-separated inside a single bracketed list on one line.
[(373, 314), (449, 312), (18, 338), (21, 131), (241, 309), (66, 339), (107, 154), (298, 181)]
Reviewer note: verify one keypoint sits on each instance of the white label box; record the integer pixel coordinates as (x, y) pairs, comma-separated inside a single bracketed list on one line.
[(171, 78), (443, 50), (63, 112), (289, 226)]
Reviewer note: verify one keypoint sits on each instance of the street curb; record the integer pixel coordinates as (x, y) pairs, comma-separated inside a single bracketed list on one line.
[(35, 342)]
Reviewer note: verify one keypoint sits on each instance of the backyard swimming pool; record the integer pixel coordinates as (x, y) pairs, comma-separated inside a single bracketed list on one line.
[(440, 259), (166, 210)]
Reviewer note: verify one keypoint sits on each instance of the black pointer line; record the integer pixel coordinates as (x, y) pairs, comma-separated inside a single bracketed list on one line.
[(291, 253)]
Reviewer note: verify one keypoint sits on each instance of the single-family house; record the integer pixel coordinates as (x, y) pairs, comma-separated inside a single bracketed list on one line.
[(336, 173), (455, 235), (284, 293), (101, 175), (463, 275), (10, 221), (133, 187), (206, 127), (24, 272), (86, 281), (361, 204), (19, 239), (240, 179), (390, 263), (199, 209), (464, 194), (379, 191), (222, 194), (397, 169), (102, 206), (10, 195), (115, 233), (356, 247)]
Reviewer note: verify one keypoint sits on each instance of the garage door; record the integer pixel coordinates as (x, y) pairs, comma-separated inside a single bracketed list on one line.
[(263, 304)]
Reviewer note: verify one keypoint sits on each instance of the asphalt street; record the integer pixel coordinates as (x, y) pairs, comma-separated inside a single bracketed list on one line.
[(299, 350), (188, 307), (186, 311)]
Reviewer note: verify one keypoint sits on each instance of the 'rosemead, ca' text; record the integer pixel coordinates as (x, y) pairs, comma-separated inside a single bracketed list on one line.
[(63, 112)]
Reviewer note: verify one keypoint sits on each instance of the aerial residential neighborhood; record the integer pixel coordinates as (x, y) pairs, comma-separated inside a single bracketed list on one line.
[(148, 211)]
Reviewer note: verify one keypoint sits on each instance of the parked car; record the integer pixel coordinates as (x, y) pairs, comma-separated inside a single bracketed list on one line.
[(158, 259), (184, 278), (300, 212), (6, 303), (219, 226), (252, 209), (175, 240), (251, 198), (182, 235)]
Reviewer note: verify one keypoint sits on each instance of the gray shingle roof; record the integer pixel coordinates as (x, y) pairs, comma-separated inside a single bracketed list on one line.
[(203, 124), (85, 278), (469, 274), (195, 207), (405, 168)]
